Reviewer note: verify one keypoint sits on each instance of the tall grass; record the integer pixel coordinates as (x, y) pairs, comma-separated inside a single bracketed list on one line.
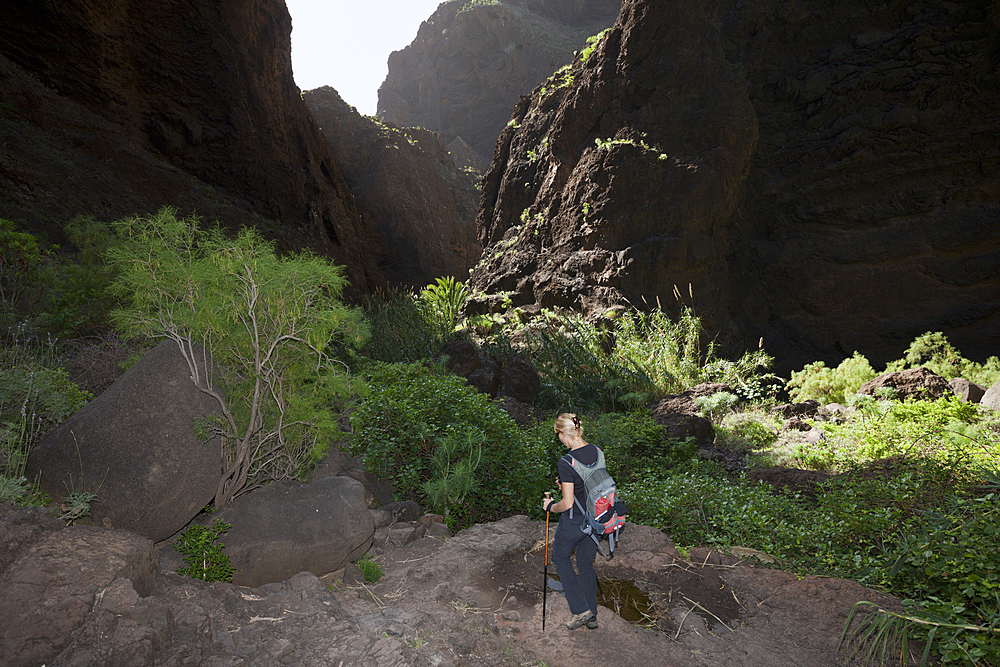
[(637, 357)]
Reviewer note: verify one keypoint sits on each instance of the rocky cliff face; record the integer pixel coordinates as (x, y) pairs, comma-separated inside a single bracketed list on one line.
[(196, 95), (408, 189), (824, 177), (472, 59)]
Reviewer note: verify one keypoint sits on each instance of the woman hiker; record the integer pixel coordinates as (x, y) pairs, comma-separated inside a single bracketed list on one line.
[(581, 590)]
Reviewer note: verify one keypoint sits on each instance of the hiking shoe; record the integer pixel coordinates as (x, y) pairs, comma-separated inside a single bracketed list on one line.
[(579, 619), (592, 623)]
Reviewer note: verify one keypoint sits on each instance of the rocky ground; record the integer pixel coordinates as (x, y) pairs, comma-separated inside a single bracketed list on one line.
[(474, 598)]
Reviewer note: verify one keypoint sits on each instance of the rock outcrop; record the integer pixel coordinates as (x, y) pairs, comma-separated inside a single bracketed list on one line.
[(408, 189), (137, 449), (822, 176), (140, 106), (912, 384), (470, 61)]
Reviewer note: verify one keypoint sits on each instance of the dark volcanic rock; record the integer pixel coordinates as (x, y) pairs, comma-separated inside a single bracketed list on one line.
[(822, 176), (135, 446), (915, 383), (471, 61), (203, 88), (48, 593), (408, 189), (288, 527)]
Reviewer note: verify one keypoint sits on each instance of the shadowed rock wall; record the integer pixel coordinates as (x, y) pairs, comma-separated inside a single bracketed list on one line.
[(822, 176), (205, 87), (470, 61), (408, 189)]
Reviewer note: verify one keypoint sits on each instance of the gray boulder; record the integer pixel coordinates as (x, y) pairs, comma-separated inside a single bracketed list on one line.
[(967, 392), (288, 527), (135, 447), (991, 399)]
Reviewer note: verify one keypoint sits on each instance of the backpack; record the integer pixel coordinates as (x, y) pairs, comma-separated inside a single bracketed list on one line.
[(604, 516)]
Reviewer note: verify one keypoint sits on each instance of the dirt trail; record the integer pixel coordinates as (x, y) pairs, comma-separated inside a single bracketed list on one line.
[(481, 592)]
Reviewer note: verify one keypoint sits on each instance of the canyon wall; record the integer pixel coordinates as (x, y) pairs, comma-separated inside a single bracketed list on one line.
[(472, 60), (825, 177), (408, 189), (156, 102)]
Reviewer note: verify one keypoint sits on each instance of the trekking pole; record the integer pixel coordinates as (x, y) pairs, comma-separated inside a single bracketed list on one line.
[(545, 571)]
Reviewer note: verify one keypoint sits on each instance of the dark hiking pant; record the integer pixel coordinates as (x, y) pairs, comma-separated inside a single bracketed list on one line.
[(580, 589)]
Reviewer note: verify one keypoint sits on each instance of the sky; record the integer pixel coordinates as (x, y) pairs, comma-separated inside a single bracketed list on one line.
[(346, 43)]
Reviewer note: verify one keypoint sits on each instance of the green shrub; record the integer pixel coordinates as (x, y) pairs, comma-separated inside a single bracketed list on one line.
[(35, 397), (266, 322), (633, 443), (912, 428), (743, 431), (947, 566), (371, 570), (204, 558), (409, 412), (13, 489), (933, 351), (78, 303), (444, 301), (716, 406), (816, 381), (21, 260), (400, 331), (588, 368)]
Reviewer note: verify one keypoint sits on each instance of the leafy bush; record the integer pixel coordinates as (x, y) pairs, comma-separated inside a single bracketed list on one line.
[(947, 566), (204, 558), (717, 406), (826, 385), (633, 443), (933, 351), (79, 303), (409, 412), (35, 397), (265, 321), (21, 260), (444, 301), (745, 431), (893, 428), (456, 459)]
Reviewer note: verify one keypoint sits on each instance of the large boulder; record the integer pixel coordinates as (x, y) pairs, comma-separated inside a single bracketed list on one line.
[(519, 379), (991, 399), (916, 383), (288, 527), (49, 591), (678, 414), (967, 391), (136, 448)]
